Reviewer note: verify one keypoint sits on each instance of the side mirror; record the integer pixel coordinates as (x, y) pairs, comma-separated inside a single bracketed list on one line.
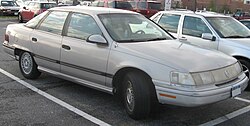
[(98, 39), (208, 36)]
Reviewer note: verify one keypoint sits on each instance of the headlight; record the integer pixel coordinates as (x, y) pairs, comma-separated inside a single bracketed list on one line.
[(203, 78), (238, 67), (181, 78)]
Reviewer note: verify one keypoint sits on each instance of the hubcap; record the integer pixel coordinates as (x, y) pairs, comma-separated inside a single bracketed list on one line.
[(246, 70), (26, 63), (130, 96)]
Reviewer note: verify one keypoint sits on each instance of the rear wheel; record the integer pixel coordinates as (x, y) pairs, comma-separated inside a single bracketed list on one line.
[(246, 68), (28, 66), (136, 95)]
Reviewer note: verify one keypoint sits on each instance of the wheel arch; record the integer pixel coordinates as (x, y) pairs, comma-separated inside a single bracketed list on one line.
[(119, 76), (241, 57)]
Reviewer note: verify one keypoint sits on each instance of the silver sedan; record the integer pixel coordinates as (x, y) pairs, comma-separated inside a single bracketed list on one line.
[(123, 53)]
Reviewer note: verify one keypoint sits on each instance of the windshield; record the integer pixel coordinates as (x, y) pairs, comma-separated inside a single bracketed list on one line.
[(228, 27), (154, 6), (142, 5), (8, 3), (132, 28)]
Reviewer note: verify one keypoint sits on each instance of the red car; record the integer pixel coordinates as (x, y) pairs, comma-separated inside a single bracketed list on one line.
[(241, 15), (33, 9), (146, 8)]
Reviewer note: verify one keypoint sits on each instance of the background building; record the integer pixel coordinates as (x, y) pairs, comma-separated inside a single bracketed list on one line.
[(222, 6)]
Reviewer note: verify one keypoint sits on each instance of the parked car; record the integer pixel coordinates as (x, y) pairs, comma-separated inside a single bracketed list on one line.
[(8, 7), (239, 15), (246, 22), (209, 30), (33, 9), (112, 50), (146, 8), (119, 4)]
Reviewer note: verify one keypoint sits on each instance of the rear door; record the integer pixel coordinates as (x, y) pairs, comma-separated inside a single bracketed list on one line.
[(46, 40), (80, 58)]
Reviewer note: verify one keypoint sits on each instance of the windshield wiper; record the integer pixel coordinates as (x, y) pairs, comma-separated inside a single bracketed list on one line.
[(155, 39), (235, 36), (131, 40)]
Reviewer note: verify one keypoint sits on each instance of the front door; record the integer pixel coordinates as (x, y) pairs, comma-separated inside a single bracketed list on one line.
[(191, 32), (80, 58)]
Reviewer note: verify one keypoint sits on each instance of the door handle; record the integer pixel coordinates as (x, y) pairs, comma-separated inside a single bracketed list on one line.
[(66, 47), (183, 39), (34, 39)]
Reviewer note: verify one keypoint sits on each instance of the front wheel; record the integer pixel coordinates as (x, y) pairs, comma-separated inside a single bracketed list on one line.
[(136, 95), (246, 68), (28, 66)]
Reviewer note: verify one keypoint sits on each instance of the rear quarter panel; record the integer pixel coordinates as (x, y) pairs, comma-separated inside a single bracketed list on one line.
[(19, 36)]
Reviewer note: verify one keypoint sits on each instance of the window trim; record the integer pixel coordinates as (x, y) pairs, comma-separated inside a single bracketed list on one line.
[(41, 21), (204, 21)]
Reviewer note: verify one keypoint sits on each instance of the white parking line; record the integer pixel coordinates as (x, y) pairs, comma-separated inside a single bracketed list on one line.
[(230, 115), (56, 100), (242, 99)]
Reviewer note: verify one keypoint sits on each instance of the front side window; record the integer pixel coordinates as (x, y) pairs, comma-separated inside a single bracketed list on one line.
[(132, 28), (194, 26), (82, 26), (54, 22), (169, 22), (227, 27)]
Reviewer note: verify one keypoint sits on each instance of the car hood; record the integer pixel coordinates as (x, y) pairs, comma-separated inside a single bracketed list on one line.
[(243, 43), (180, 56)]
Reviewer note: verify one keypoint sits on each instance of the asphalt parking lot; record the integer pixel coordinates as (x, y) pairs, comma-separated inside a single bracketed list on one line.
[(52, 101)]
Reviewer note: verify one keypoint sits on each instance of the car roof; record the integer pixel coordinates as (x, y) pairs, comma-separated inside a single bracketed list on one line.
[(92, 10), (189, 12)]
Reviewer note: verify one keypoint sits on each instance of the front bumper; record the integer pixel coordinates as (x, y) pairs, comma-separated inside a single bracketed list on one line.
[(197, 96), (9, 12)]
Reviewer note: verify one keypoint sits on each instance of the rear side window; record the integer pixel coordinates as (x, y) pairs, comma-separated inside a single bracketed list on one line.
[(169, 22), (54, 22), (194, 26), (34, 21), (82, 26)]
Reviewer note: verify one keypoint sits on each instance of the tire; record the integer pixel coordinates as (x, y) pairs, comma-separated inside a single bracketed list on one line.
[(136, 95), (246, 68), (28, 66), (20, 18)]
